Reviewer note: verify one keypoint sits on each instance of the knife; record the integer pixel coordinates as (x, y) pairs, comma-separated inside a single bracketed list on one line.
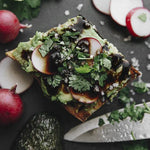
[(125, 130)]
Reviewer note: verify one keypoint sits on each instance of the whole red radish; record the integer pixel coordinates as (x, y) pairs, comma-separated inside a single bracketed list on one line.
[(11, 106), (9, 26)]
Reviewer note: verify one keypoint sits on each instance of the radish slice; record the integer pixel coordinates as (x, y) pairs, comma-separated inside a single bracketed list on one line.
[(12, 74), (102, 6), (85, 97), (39, 62), (94, 46), (120, 8), (138, 22)]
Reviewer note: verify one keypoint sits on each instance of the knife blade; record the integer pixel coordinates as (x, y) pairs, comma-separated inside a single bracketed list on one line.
[(125, 130)]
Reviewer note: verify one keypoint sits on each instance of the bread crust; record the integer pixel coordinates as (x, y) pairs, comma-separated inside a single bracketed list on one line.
[(77, 109)]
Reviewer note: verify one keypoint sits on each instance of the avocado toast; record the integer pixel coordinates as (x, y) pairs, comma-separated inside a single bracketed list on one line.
[(75, 66)]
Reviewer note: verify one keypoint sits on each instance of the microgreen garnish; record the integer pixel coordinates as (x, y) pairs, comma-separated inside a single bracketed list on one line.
[(67, 35), (140, 87), (135, 113), (83, 69), (136, 145), (101, 122), (142, 17), (25, 9), (102, 78), (46, 47), (79, 83), (54, 81), (70, 34), (106, 63), (83, 56), (124, 95)]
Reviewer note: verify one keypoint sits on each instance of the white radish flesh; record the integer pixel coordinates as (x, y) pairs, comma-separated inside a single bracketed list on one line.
[(12, 74), (84, 97), (138, 22), (120, 8), (94, 46), (40, 63), (102, 6)]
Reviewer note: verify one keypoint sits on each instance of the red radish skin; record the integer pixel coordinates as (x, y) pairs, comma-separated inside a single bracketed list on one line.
[(9, 26), (102, 5), (11, 106), (120, 8), (135, 26)]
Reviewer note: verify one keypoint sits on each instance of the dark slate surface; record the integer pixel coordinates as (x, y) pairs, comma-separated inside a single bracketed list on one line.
[(51, 14)]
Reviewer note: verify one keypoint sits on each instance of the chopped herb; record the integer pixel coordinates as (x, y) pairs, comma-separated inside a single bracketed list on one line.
[(114, 117), (135, 113), (132, 134), (101, 122), (124, 95), (103, 61), (73, 35), (147, 109), (46, 47), (102, 78), (136, 145), (25, 9), (95, 76), (140, 87), (79, 83), (142, 17), (67, 35), (34, 3), (107, 63), (54, 81), (82, 56), (83, 69)]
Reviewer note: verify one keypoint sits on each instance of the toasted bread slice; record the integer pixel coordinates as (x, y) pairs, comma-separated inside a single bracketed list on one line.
[(94, 78)]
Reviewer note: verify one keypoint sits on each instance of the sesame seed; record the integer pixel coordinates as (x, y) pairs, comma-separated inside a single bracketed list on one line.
[(56, 35), (91, 56), (147, 44), (143, 100), (135, 62), (131, 99), (148, 85), (62, 43), (94, 27), (21, 30), (96, 88), (5, 5), (148, 67), (102, 93), (148, 92), (132, 92), (126, 39), (115, 84), (102, 23), (67, 12), (111, 87), (6, 50), (148, 56), (79, 7), (131, 52)]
